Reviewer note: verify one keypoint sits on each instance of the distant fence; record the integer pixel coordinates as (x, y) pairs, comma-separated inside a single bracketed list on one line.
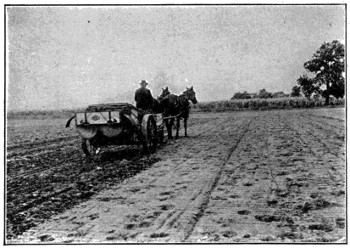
[(264, 104)]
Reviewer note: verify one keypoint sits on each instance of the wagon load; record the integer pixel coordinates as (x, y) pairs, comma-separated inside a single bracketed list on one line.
[(117, 124)]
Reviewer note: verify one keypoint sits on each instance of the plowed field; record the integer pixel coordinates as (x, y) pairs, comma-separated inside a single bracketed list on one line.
[(270, 176)]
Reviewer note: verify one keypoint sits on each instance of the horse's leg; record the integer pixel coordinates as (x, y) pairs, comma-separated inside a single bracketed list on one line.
[(177, 126), (185, 126), (169, 124), (167, 128)]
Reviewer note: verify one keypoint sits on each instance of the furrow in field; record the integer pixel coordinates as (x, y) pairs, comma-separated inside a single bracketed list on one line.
[(244, 184), (51, 183), (157, 204), (271, 192), (312, 191), (32, 150), (42, 144), (275, 180), (333, 129), (61, 188), (35, 163), (336, 115), (324, 142), (213, 184)]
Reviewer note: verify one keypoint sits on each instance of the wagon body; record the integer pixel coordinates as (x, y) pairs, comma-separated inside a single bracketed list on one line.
[(117, 124), (104, 124)]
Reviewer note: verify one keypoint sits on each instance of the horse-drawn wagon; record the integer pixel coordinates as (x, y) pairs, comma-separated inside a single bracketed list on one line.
[(101, 125)]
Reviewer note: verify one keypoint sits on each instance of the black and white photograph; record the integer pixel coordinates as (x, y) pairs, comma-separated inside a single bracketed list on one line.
[(165, 123)]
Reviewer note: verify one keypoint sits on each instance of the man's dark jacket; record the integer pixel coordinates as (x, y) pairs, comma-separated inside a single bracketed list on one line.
[(143, 98)]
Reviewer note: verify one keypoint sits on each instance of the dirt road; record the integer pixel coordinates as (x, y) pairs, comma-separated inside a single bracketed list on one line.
[(273, 176)]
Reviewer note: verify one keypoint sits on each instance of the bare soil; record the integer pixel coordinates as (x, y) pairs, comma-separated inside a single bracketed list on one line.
[(269, 176)]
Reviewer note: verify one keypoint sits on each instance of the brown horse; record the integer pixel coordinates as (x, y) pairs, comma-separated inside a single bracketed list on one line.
[(178, 107)]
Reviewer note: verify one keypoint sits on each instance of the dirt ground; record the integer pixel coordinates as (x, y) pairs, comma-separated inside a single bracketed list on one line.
[(240, 177)]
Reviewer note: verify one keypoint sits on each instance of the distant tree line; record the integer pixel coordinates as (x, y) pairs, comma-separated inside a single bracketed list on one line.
[(263, 94), (327, 66)]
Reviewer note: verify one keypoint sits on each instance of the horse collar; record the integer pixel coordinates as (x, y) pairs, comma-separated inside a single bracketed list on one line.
[(184, 96)]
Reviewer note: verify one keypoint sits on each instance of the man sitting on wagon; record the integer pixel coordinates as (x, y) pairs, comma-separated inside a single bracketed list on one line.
[(143, 98), (144, 102)]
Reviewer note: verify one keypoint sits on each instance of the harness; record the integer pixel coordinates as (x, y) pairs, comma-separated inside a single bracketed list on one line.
[(179, 99)]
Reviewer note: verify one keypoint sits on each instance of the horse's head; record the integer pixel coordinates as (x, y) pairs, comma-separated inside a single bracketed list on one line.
[(191, 95), (164, 93)]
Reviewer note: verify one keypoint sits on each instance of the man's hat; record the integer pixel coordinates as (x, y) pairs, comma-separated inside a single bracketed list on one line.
[(143, 82)]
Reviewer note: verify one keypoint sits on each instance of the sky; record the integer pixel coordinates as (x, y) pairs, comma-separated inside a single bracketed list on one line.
[(69, 57)]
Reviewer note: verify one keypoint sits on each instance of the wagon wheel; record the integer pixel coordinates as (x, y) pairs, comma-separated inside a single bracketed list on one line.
[(150, 142), (88, 148)]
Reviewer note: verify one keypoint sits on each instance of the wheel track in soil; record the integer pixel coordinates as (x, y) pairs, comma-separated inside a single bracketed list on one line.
[(197, 216), (268, 154), (297, 137), (326, 117), (332, 175), (57, 168), (315, 137), (173, 216), (304, 143), (317, 140), (315, 121), (259, 132), (294, 139)]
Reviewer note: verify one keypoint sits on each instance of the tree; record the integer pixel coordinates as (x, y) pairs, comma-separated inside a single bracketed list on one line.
[(264, 94), (307, 85), (279, 94), (338, 89), (295, 91), (328, 66), (239, 95)]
